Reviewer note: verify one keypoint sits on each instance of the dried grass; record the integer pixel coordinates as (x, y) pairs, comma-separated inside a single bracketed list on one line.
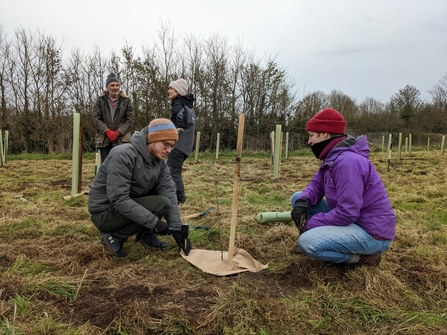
[(52, 262)]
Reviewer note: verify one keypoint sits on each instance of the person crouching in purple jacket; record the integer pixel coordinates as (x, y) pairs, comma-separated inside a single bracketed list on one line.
[(355, 222)]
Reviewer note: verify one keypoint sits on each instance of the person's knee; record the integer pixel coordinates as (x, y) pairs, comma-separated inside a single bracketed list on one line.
[(307, 244), (295, 196), (163, 207)]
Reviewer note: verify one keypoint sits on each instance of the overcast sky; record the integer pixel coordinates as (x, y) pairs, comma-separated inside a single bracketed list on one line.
[(360, 47)]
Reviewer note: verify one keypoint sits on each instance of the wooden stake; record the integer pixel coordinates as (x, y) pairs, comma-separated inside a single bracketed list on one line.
[(197, 147), (237, 177)]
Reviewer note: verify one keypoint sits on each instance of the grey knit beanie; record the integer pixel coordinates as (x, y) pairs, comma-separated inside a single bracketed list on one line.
[(111, 78), (180, 86)]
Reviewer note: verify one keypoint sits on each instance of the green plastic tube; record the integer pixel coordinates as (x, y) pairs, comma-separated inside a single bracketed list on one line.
[(273, 217)]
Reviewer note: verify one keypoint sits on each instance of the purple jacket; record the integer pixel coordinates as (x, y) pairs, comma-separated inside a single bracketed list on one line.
[(353, 190)]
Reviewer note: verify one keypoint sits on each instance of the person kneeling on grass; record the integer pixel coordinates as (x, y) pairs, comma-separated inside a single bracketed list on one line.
[(355, 223), (134, 189)]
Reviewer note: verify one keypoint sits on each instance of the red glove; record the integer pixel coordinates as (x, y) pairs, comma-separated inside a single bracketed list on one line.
[(117, 133), (111, 135)]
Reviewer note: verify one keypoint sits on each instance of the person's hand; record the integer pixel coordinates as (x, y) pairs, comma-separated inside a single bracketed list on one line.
[(111, 135), (182, 240), (161, 228), (118, 134), (179, 130), (300, 213)]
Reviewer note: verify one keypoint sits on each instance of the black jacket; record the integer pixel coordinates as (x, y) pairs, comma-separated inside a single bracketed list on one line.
[(185, 141)]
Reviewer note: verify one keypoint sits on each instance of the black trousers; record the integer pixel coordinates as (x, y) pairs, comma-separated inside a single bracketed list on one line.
[(105, 152), (175, 163), (112, 221)]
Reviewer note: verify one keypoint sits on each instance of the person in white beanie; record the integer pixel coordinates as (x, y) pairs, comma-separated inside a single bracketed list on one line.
[(178, 94)]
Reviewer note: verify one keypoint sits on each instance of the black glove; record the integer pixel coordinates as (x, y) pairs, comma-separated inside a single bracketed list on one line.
[(161, 228), (299, 214), (182, 240)]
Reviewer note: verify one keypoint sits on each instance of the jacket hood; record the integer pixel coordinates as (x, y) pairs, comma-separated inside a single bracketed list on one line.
[(185, 99), (358, 145), (139, 141)]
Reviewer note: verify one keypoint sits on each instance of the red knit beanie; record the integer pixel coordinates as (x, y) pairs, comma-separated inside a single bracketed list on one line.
[(327, 121)]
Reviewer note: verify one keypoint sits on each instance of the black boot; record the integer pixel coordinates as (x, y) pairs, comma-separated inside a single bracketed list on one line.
[(113, 244), (148, 238)]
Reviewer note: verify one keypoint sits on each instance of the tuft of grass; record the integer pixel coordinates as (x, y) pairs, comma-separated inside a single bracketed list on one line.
[(24, 267), (61, 289), (20, 304), (7, 328)]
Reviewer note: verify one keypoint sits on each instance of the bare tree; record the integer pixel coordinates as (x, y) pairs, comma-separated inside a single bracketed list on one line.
[(344, 104), (305, 109), (439, 95), (168, 39), (5, 74), (216, 88), (23, 57), (406, 104), (371, 106), (311, 104)]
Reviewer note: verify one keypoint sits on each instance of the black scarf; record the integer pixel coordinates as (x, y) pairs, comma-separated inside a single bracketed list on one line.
[(318, 148)]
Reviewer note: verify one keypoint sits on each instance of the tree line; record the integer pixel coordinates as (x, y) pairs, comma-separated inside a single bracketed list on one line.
[(41, 88)]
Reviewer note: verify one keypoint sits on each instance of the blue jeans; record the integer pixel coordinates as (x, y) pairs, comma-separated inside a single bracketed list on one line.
[(337, 244)]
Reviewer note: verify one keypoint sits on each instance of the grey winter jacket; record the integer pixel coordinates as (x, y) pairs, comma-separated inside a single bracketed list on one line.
[(123, 121), (185, 141), (131, 172)]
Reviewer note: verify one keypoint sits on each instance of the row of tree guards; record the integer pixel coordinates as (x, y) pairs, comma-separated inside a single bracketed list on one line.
[(275, 157), (408, 142)]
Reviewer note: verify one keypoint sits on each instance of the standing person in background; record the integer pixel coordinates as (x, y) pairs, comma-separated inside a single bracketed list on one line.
[(355, 223), (178, 94), (113, 117)]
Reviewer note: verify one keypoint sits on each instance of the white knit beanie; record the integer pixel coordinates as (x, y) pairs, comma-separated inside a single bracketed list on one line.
[(180, 86)]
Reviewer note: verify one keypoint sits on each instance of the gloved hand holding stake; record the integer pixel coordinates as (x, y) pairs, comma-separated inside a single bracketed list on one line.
[(111, 135), (182, 240), (300, 213)]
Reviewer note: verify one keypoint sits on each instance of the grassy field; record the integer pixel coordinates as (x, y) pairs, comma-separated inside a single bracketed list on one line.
[(56, 278)]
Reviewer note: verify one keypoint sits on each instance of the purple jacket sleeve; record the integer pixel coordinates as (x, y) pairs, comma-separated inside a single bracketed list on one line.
[(315, 190)]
